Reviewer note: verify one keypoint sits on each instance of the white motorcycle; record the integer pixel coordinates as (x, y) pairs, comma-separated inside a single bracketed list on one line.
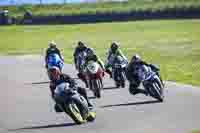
[(151, 82)]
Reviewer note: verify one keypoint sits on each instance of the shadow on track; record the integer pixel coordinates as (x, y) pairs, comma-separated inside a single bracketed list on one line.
[(44, 127), (43, 82), (38, 83), (110, 88), (130, 104), (92, 97)]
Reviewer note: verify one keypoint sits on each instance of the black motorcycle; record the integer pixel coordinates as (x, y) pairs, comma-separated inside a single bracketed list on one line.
[(73, 104), (118, 71)]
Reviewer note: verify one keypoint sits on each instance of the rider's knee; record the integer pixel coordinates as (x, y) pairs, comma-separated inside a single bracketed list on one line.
[(81, 76), (133, 88), (81, 91)]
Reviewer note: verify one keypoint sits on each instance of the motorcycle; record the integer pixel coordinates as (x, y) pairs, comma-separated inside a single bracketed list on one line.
[(73, 104), (118, 71), (54, 60), (79, 64), (151, 82), (94, 76)]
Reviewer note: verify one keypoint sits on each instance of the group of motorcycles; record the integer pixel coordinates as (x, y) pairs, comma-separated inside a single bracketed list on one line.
[(76, 106)]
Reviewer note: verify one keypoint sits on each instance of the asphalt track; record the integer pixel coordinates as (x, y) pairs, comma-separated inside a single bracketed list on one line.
[(26, 105)]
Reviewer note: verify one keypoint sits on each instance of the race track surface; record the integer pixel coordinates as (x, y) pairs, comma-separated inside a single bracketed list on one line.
[(26, 105)]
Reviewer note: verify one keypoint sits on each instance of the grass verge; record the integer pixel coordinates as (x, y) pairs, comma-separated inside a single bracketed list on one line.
[(196, 131)]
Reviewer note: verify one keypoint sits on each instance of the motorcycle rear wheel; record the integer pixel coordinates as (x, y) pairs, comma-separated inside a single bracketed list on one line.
[(97, 88)]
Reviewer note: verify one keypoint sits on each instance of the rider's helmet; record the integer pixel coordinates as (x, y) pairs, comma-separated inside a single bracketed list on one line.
[(54, 73), (52, 44), (114, 46), (136, 58), (81, 45)]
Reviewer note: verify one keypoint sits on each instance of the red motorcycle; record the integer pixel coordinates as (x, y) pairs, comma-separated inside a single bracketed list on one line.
[(94, 76)]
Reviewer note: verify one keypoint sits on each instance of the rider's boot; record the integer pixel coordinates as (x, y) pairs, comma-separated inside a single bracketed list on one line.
[(57, 108), (109, 72)]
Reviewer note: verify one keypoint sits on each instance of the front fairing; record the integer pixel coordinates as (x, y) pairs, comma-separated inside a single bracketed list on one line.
[(94, 70), (92, 67), (145, 73)]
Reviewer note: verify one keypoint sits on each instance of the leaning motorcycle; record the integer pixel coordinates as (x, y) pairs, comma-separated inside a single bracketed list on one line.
[(73, 104), (151, 83), (118, 71), (94, 76)]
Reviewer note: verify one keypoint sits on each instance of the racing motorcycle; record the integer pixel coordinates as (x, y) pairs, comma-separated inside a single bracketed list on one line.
[(73, 104), (118, 71), (94, 76), (151, 82), (79, 64), (54, 60)]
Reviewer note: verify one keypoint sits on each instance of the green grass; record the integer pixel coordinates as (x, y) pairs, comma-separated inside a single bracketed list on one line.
[(174, 45), (196, 131), (93, 8)]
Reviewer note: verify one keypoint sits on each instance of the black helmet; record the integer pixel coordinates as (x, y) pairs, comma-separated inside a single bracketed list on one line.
[(136, 58), (81, 45), (114, 46)]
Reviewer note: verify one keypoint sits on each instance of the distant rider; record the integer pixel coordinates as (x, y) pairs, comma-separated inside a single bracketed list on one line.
[(57, 78), (95, 58), (51, 50), (84, 51), (113, 52), (132, 74)]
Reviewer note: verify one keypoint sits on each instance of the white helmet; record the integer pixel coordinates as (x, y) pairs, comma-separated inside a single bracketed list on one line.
[(52, 44)]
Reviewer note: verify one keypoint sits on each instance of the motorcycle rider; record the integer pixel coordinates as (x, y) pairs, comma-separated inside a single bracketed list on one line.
[(113, 52), (81, 48), (51, 50), (95, 58), (132, 74), (57, 78)]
